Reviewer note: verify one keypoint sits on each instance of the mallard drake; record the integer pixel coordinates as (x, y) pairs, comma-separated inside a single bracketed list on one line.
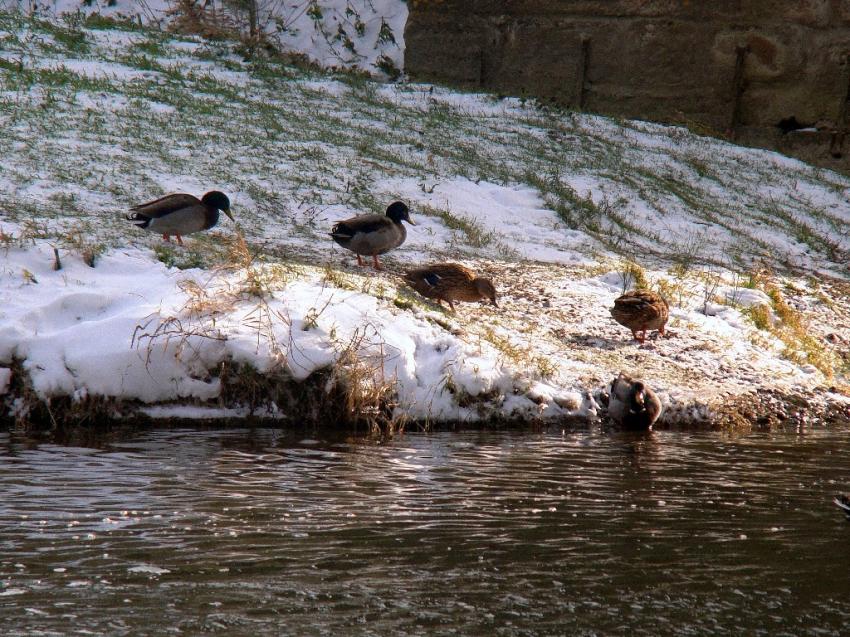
[(632, 404), (843, 501), (180, 214), (371, 235), (450, 282), (641, 310)]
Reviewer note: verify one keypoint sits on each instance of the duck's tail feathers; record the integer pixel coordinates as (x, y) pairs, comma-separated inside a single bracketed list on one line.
[(142, 221), (341, 232)]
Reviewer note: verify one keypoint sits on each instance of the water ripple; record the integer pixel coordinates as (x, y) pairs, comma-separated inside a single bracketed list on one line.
[(245, 532)]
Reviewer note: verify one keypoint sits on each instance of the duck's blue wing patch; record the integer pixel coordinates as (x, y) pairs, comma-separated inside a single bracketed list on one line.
[(431, 278)]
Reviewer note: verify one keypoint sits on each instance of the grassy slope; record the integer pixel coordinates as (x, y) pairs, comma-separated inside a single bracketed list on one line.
[(96, 118), (260, 129)]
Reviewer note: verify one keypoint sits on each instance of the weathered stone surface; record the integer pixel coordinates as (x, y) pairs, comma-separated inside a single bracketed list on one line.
[(808, 12), (666, 60)]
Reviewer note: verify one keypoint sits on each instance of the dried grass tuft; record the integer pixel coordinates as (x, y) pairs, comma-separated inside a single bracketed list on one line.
[(80, 242), (239, 281), (366, 395), (190, 17), (632, 276), (354, 391)]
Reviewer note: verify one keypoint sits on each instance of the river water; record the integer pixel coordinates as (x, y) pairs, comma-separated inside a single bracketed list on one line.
[(236, 532)]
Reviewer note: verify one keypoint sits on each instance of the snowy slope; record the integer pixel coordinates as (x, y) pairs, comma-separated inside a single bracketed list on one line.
[(556, 207), (74, 329), (363, 34)]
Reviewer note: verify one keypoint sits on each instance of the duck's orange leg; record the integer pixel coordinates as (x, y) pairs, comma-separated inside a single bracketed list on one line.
[(167, 238), (359, 261), (375, 262), (179, 239)]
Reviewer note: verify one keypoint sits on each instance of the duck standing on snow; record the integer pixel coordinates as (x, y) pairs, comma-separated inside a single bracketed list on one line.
[(180, 214), (641, 310), (371, 235), (450, 282), (632, 404)]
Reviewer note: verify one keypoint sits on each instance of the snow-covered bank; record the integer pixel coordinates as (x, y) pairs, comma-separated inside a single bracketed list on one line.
[(134, 330), (357, 34), (564, 211)]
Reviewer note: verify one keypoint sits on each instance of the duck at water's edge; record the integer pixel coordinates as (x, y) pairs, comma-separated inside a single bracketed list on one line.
[(450, 282), (180, 214), (632, 404), (371, 235)]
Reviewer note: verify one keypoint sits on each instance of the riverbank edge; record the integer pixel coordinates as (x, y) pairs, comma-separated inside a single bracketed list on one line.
[(329, 399)]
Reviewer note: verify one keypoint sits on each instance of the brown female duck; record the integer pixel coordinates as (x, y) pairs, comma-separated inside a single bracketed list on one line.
[(180, 214), (632, 404), (641, 310), (450, 282), (371, 235)]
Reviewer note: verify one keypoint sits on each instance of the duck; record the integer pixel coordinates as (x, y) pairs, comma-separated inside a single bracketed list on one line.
[(641, 310), (632, 404), (843, 502), (371, 235), (180, 214), (450, 282)]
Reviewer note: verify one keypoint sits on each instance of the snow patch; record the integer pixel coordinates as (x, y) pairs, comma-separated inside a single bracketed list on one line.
[(191, 412), (512, 218), (362, 34)]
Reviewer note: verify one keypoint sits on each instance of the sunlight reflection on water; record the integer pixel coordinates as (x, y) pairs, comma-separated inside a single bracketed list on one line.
[(260, 532)]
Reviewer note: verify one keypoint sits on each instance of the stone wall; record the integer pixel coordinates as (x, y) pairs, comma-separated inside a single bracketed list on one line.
[(752, 69)]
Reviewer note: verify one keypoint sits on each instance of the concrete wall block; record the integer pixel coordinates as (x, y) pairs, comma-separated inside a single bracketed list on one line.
[(820, 13), (667, 60)]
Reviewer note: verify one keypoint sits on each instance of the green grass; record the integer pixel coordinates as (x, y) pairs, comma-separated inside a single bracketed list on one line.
[(175, 257), (96, 21), (472, 232), (257, 127)]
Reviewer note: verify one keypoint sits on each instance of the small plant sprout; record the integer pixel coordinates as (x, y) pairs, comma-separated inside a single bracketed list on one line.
[(711, 280), (632, 276), (385, 33)]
